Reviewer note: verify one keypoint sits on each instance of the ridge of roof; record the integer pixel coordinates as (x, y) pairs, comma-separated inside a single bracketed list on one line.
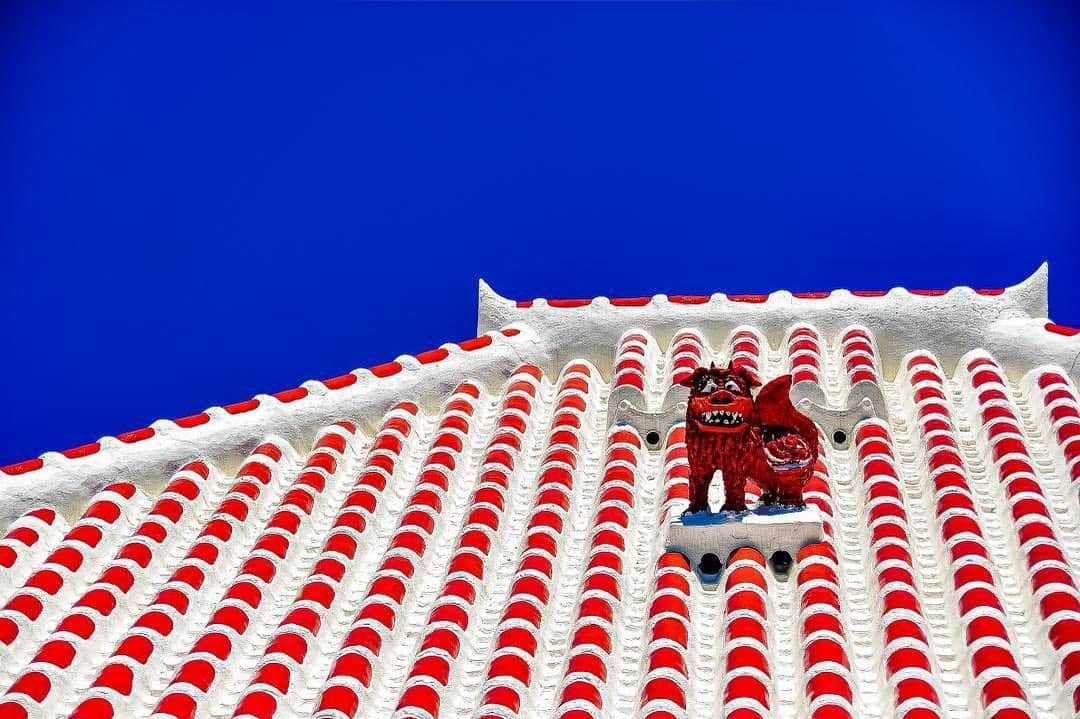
[(1012, 322), (1033, 291)]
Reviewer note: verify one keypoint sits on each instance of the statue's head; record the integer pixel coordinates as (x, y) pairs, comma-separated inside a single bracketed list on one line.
[(721, 399)]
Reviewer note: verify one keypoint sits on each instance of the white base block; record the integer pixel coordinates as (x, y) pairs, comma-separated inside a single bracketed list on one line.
[(721, 534)]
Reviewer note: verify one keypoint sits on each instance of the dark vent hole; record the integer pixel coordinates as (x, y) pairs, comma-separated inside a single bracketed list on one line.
[(709, 564), (839, 436), (653, 439), (781, 562)]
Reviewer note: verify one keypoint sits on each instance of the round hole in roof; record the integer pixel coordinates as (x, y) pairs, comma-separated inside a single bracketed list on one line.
[(710, 564)]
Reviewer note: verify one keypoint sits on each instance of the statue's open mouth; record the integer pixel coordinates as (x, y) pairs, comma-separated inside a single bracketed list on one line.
[(720, 418), (722, 412)]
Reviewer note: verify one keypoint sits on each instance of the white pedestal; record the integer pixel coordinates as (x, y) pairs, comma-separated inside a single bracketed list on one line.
[(768, 531)]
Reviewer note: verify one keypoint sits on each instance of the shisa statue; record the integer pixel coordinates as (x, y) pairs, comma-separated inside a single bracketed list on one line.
[(762, 438)]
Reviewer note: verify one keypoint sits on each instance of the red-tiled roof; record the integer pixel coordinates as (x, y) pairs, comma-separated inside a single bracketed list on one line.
[(502, 554)]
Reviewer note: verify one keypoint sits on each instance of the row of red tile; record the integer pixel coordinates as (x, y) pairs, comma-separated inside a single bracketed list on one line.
[(209, 667), (828, 682), (386, 369), (447, 627), (161, 630), (635, 358), (746, 347), (664, 687), (908, 663), (817, 494), (1053, 587), (827, 679), (676, 474), (994, 661), (805, 355), (1062, 412), (746, 679), (37, 605), (599, 603), (286, 657), (688, 352), (25, 545), (66, 655), (908, 660), (663, 693), (357, 665), (509, 671), (859, 356)]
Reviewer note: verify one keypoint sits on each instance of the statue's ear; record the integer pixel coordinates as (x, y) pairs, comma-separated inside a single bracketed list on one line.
[(748, 375), (692, 377)]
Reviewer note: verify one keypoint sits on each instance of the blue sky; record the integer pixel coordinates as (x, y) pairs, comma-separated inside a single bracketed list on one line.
[(205, 203)]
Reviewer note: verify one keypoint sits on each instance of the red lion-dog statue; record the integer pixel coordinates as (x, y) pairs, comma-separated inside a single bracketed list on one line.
[(763, 438)]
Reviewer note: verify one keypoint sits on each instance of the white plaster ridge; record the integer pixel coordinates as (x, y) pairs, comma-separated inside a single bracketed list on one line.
[(1010, 323)]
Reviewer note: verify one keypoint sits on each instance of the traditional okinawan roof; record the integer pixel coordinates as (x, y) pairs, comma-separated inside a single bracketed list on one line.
[(461, 532)]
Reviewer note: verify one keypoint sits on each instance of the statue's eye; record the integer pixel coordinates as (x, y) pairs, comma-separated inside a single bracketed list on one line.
[(732, 386), (707, 385)]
